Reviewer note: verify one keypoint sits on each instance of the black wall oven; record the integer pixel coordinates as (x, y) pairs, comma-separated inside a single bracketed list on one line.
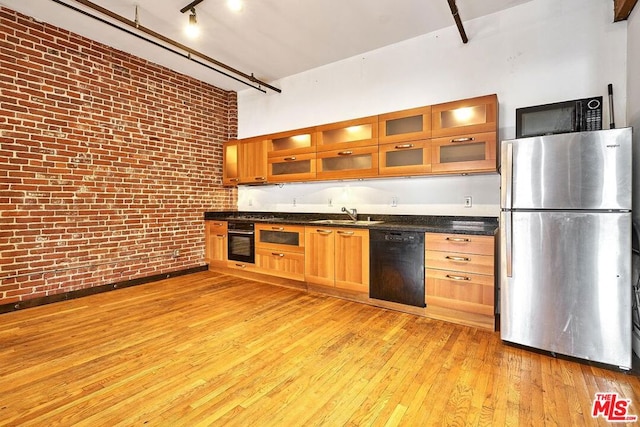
[(241, 241)]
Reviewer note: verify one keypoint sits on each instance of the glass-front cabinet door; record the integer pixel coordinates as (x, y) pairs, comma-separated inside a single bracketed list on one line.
[(348, 134), (405, 158), (358, 162), (291, 156), (405, 125), (465, 116), (467, 154)]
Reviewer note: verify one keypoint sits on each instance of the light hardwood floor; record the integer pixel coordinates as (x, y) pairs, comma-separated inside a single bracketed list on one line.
[(211, 349)]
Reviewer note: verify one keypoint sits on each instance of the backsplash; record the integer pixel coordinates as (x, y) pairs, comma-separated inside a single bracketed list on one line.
[(444, 195)]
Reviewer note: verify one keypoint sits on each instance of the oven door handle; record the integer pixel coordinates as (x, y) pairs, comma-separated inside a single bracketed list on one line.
[(244, 233)]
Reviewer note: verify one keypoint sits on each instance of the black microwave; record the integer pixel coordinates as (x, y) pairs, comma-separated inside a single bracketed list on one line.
[(560, 117)]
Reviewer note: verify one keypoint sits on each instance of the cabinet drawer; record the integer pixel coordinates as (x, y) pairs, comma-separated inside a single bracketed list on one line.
[(460, 262), (279, 237), (460, 291), (281, 264), (467, 243)]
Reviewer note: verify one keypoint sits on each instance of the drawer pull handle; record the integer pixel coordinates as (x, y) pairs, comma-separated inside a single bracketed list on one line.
[(277, 228), (241, 265), (467, 139), (289, 159), (345, 153), (346, 233), (461, 278), (221, 236), (324, 231), (259, 178), (234, 179), (404, 146), (277, 254), (457, 239), (457, 258)]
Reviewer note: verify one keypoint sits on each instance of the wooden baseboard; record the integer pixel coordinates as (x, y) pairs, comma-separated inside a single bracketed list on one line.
[(34, 302)]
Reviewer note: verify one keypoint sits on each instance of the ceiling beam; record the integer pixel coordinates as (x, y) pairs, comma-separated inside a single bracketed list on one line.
[(622, 9)]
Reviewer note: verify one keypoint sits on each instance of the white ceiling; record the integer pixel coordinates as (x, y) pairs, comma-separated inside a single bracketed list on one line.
[(271, 39)]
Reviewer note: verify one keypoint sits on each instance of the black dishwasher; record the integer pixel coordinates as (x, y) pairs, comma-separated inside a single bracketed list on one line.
[(397, 266)]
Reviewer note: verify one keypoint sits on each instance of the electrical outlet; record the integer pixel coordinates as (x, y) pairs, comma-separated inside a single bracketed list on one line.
[(294, 201), (394, 201), (330, 202), (467, 202)]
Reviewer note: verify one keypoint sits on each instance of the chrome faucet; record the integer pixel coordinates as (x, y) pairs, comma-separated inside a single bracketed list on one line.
[(353, 214)]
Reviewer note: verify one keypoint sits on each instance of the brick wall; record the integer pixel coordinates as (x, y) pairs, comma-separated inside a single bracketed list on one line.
[(107, 162)]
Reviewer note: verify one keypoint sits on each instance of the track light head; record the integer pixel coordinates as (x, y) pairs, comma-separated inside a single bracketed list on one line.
[(192, 29)]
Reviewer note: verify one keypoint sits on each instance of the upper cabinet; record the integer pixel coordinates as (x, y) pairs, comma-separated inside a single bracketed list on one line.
[(348, 134), (347, 149), (458, 137), (405, 125), (465, 116), (245, 161), (291, 156)]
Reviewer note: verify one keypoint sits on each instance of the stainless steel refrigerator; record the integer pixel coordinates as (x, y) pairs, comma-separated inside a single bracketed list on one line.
[(565, 244)]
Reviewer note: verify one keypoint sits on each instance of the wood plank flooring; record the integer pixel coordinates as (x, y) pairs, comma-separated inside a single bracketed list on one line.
[(211, 349)]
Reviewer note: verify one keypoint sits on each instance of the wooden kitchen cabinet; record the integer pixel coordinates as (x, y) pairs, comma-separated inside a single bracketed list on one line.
[(245, 161), (405, 158), (230, 163), (471, 153), (280, 250), (465, 116), (460, 276), (215, 249), (291, 156), (405, 125), (357, 162), (337, 257), (348, 134)]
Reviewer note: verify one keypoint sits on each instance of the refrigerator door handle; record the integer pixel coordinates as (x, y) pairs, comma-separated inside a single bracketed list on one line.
[(508, 243), (508, 196)]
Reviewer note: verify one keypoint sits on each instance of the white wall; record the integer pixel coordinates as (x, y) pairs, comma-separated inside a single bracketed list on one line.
[(528, 55), (633, 106)]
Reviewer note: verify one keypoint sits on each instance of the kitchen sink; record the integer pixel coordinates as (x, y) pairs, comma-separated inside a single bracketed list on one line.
[(344, 222)]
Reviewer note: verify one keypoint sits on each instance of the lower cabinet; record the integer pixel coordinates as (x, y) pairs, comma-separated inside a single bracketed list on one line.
[(337, 257), (280, 250), (215, 248), (460, 273)]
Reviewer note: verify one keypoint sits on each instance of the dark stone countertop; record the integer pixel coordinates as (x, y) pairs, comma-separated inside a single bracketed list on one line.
[(423, 223)]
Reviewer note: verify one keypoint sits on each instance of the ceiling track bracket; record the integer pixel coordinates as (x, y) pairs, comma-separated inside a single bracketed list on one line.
[(456, 18), (174, 46)]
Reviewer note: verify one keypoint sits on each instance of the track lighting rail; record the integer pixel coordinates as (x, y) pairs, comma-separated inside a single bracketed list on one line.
[(230, 72)]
